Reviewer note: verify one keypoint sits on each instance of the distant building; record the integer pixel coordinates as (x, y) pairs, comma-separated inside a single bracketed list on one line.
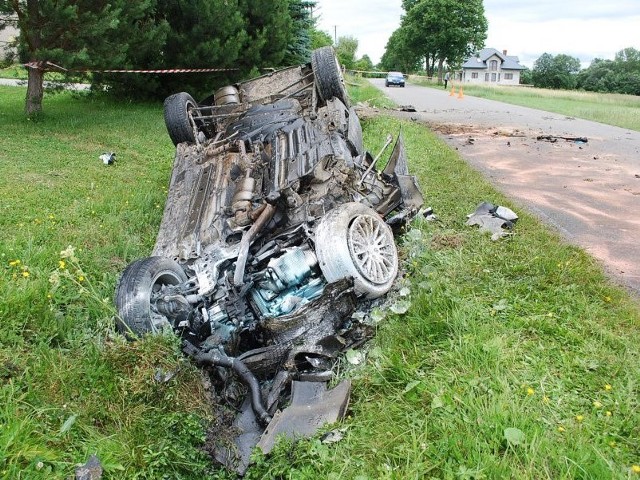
[(491, 66), (7, 36)]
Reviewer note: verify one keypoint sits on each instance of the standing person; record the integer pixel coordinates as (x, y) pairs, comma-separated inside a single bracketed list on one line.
[(446, 80)]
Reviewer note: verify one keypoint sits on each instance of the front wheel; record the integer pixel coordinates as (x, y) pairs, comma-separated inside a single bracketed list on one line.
[(328, 75), (353, 241), (178, 118), (138, 290)]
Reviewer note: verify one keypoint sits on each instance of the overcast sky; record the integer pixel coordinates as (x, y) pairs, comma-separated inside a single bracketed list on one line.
[(585, 29)]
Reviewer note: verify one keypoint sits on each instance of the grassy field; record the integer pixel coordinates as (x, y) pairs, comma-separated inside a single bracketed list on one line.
[(515, 359), (610, 108)]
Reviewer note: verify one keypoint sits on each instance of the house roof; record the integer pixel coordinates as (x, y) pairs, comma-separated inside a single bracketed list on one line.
[(509, 62)]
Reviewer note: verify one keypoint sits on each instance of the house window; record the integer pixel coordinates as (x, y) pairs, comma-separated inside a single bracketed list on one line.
[(493, 77), (508, 76), (474, 74), (493, 65), (486, 77)]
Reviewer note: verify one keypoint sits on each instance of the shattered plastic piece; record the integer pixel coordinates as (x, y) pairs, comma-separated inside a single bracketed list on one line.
[(162, 376), (333, 436), (108, 158), (493, 219), (312, 406), (354, 357), (377, 315), (400, 307), (92, 470)]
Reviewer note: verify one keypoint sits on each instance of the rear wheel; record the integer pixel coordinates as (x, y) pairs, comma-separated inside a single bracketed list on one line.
[(328, 75), (178, 119), (140, 286), (353, 241)]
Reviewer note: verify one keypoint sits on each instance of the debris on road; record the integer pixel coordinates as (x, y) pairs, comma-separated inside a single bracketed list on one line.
[(406, 108), (554, 138), (494, 219)]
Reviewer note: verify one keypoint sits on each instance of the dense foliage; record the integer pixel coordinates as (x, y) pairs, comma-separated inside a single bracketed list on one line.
[(243, 35), (620, 75), (558, 71), (437, 32)]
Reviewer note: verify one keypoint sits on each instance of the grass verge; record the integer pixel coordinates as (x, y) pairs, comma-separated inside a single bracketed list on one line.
[(514, 359), (609, 108)]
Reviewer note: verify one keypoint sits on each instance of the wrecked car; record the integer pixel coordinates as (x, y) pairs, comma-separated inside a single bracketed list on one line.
[(276, 226)]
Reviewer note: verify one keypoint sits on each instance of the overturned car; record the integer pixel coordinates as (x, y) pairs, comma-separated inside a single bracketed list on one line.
[(276, 226)]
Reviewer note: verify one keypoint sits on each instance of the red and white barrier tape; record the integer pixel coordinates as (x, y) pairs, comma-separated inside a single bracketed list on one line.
[(52, 66)]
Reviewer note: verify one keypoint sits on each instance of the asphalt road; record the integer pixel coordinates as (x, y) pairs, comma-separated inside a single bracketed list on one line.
[(590, 192)]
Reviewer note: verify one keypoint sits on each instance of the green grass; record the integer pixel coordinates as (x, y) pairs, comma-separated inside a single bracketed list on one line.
[(609, 108), (525, 333)]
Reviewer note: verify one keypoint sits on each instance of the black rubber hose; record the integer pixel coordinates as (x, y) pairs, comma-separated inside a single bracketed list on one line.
[(245, 375)]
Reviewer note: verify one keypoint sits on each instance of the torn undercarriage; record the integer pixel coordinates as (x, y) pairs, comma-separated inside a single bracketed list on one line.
[(277, 226)]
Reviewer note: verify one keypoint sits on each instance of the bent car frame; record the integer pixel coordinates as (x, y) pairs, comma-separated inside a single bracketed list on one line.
[(276, 226)]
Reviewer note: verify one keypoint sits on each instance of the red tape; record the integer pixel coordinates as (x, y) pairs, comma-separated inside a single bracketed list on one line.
[(48, 66)]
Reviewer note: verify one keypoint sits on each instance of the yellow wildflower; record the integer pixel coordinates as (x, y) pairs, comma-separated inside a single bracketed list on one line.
[(14, 263), (597, 404), (81, 278), (608, 413), (607, 299), (545, 399), (608, 387), (530, 391), (635, 468), (561, 429), (579, 418), (25, 274), (62, 264)]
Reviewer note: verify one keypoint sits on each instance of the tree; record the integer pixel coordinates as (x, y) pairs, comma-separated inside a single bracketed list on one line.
[(558, 72), (444, 31), (299, 48), (621, 75), (398, 56), (364, 64), (320, 39), (346, 49), (83, 33)]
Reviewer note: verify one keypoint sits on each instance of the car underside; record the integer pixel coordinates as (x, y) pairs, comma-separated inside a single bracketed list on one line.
[(276, 227)]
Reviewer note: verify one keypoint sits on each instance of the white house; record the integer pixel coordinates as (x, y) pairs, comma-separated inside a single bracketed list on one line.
[(491, 66), (7, 37)]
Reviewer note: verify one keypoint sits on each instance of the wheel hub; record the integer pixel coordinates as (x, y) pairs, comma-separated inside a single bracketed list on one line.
[(372, 249)]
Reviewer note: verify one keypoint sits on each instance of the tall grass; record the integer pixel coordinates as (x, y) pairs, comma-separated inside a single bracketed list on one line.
[(515, 359)]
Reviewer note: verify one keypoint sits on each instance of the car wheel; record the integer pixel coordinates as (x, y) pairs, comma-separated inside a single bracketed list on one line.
[(177, 118), (386, 84), (138, 288), (328, 75), (353, 241)]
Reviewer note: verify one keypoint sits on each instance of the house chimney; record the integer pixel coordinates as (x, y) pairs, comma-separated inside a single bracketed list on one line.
[(504, 52)]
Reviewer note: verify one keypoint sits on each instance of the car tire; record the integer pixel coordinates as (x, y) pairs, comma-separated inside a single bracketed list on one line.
[(352, 240), (328, 75), (177, 118), (135, 290), (386, 84)]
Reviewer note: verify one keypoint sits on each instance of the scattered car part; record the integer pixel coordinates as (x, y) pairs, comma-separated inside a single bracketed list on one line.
[(494, 219)]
